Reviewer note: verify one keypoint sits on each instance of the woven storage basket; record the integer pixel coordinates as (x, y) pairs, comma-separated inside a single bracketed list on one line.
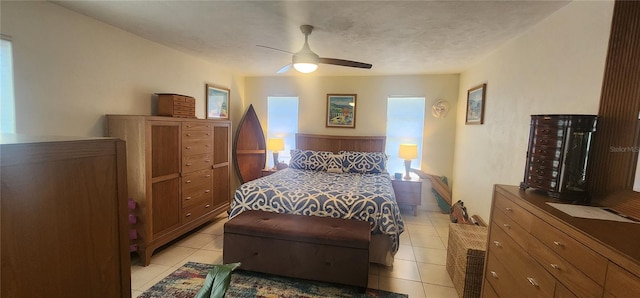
[(465, 258)]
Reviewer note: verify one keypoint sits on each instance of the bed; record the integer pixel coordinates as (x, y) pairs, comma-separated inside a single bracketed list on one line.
[(316, 185)]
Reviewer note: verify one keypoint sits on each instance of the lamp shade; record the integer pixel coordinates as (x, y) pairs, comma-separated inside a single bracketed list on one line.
[(408, 151), (305, 67), (275, 144)]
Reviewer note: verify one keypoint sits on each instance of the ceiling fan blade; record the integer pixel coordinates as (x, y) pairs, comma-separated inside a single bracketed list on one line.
[(279, 50), (284, 68), (347, 63)]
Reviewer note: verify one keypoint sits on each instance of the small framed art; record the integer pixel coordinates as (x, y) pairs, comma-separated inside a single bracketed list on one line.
[(475, 104), (217, 102), (341, 110)]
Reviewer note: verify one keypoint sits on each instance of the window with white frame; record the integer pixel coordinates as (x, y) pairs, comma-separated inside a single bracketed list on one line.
[(282, 123), (7, 102), (405, 125)]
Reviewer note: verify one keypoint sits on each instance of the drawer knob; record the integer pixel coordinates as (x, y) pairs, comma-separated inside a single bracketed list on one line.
[(207, 176), (544, 141), (509, 209), (188, 147), (206, 145), (207, 206), (508, 226), (188, 214), (189, 164), (187, 198), (208, 160), (207, 191), (208, 134), (188, 126), (497, 243), (533, 282), (188, 135), (494, 274), (555, 266), (188, 181), (558, 243)]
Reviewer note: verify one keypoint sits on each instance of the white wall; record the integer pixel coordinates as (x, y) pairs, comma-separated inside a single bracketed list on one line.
[(556, 67), (71, 70), (371, 112)]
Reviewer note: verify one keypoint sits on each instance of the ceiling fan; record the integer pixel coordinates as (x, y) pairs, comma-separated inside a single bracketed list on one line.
[(306, 61)]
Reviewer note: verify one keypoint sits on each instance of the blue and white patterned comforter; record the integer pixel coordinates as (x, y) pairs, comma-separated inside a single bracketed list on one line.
[(366, 197)]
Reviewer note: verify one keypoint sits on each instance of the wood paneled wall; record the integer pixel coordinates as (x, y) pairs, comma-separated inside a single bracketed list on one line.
[(614, 157)]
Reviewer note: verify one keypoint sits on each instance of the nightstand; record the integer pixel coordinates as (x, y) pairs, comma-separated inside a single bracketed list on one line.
[(267, 172), (408, 192)]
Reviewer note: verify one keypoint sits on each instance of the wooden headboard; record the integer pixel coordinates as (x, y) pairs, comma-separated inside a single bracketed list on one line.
[(337, 143)]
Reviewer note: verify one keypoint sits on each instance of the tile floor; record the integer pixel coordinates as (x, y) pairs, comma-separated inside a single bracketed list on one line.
[(418, 270)]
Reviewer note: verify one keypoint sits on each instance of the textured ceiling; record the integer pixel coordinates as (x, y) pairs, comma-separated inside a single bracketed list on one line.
[(397, 37)]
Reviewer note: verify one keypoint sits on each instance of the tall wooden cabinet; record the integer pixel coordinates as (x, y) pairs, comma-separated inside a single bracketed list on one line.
[(536, 250), (178, 173), (64, 229)]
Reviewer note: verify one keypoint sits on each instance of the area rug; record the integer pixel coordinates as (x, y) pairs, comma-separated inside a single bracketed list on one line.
[(187, 280)]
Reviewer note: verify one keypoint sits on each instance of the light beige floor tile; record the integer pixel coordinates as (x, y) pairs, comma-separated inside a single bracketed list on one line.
[(135, 293), (435, 291), (422, 230), (216, 228), (373, 282), (414, 289), (430, 255), (206, 257), (158, 278), (405, 252), (170, 256), (402, 269), (197, 241), (405, 239), (445, 241), (141, 275), (216, 244), (427, 242), (443, 231), (435, 274)]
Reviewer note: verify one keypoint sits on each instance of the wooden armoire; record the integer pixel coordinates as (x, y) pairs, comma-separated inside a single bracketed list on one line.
[(64, 217), (178, 171)]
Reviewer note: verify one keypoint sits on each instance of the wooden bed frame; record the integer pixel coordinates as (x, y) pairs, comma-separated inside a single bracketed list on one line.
[(337, 143)]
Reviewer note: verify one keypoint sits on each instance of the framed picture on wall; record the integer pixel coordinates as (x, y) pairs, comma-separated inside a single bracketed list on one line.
[(475, 104), (341, 110), (217, 102)]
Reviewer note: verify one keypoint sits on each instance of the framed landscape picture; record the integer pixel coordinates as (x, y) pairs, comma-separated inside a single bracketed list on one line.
[(217, 102), (341, 110), (475, 104)]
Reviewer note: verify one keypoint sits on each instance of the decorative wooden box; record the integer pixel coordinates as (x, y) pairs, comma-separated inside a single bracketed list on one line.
[(176, 105), (559, 147)]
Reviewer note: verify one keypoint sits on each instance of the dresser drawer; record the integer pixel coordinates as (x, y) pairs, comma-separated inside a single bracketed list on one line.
[(545, 172), (513, 211), (548, 131), (527, 273), (621, 283), (488, 291), (197, 125), (591, 263), (188, 135), (575, 280), (563, 292), (511, 228), (502, 283), (196, 146), (541, 182), (197, 187), (196, 162), (544, 161), (192, 213), (548, 141)]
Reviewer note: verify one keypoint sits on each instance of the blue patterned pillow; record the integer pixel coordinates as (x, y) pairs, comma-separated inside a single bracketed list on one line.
[(364, 162), (310, 160)]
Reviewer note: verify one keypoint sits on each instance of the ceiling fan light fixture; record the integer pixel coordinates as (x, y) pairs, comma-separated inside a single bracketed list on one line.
[(304, 67)]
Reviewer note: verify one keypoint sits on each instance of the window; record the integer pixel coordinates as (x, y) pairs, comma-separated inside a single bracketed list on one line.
[(7, 103), (282, 122), (405, 124)]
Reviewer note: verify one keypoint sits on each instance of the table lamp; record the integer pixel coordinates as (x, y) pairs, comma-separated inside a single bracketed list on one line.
[(408, 152), (275, 145)]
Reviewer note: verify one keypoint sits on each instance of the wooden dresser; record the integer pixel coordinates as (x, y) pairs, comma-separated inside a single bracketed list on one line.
[(178, 173), (64, 218), (535, 250)]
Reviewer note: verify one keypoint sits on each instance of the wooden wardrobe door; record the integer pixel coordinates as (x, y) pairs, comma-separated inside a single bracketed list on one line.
[(165, 177)]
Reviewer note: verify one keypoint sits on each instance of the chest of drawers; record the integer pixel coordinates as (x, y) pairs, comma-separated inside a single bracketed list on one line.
[(558, 152), (175, 105), (535, 250)]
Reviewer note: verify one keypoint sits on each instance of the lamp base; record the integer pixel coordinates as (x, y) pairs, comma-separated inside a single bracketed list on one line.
[(275, 160), (407, 169)]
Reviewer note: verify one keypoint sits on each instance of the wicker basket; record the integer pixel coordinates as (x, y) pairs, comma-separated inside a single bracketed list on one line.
[(465, 258)]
